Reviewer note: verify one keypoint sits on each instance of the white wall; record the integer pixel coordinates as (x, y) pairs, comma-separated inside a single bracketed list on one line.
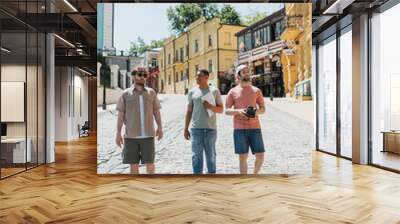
[(33, 126), (70, 84)]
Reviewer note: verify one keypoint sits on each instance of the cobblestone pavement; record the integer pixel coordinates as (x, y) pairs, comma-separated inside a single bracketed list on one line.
[(288, 140)]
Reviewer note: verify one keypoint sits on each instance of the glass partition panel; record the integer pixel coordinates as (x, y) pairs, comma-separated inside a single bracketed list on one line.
[(31, 98), (346, 93), (327, 95), (385, 89), (14, 153)]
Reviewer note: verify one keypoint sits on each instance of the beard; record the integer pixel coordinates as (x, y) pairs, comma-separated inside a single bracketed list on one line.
[(245, 83), (139, 83)]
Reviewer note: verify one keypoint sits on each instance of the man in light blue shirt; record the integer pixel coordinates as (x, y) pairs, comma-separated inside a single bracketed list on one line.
[(203, 129)]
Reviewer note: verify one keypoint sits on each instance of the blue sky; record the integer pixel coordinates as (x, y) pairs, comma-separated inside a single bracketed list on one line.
[(149, 20)]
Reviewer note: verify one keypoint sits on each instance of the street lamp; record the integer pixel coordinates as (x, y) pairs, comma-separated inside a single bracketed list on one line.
[(103, 74)]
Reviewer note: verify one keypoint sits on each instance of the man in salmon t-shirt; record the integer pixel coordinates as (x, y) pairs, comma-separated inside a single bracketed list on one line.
[(247, 129)]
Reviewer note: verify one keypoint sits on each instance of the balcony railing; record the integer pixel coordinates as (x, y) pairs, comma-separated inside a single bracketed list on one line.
[(261, 51)]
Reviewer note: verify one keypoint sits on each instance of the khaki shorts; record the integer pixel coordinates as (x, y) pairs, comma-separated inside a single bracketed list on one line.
[(138, 149)]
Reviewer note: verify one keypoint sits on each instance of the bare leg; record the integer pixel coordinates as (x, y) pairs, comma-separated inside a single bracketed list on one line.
[(243, 163), (134, 168), (259, 161), (150, 167)]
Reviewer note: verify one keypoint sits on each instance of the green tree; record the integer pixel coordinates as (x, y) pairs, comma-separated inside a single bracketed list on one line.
[(229, 15), (209, 10), (254, 17), (156, 43), (140, 45), (182, 15)]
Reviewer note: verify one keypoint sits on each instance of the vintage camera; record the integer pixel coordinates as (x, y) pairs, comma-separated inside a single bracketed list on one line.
[(251, 112)]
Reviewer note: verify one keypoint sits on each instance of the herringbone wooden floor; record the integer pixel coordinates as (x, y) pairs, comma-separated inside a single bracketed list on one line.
[(70, 191)]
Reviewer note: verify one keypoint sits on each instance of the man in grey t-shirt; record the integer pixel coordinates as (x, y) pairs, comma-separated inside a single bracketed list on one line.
[(203, 130)]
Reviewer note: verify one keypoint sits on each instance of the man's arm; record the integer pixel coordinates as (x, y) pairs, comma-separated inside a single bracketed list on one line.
[(120, 121), (233, 112), (260, 110), (157, 117), (261, 103), (188, 117), (219, 108), (228, 104)]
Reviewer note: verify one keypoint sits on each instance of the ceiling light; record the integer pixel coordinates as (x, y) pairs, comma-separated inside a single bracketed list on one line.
[(70, 5), (5, 50), (86, 72), (337, 7), (64, 40)]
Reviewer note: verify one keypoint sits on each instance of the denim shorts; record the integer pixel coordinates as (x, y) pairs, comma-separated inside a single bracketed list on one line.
[(248, 138)]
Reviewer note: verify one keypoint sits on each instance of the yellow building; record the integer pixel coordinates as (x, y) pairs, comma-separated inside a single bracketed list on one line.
[(207, 45), (296, 60)]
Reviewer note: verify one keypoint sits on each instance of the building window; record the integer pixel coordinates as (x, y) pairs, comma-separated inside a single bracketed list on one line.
[(196, 46), (209, 41), (257, 40), (169, 79), (182, 75), (187, 50), (240, 43), (227, 38), (176, 77), (277, 30), (181, 55), (267, 36), (273, 32), (259, 37), (169, 59), (259, 69), (247, 41), (210, 65), (176, 56), (262, 35), (154, 62), (196, 68)]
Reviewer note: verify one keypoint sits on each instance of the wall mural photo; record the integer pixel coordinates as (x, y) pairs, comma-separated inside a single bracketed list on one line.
[(204, 88)]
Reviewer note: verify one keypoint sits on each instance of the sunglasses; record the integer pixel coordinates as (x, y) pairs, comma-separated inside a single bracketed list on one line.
[(144, 75)]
